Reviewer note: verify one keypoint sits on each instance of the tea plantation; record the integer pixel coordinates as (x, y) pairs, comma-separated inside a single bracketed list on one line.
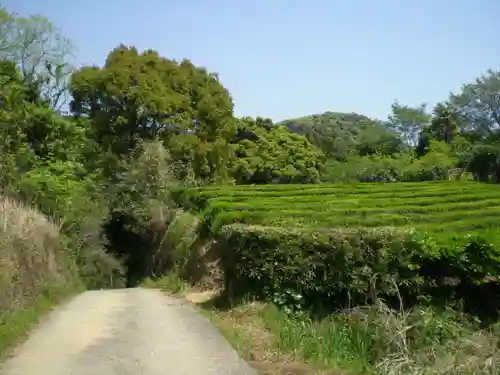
[(441, 206), (350, 244)]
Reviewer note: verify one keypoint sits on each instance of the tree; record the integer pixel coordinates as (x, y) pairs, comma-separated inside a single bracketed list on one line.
[(444, 127), (40, 51), (478, 104), (272, 154), (435, 164), (144, 96), (484, 162), (408, 121), (378, 139), (201, 162)]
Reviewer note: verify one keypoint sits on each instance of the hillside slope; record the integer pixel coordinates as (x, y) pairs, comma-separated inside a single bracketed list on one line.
[(341, 134), (334, 132)]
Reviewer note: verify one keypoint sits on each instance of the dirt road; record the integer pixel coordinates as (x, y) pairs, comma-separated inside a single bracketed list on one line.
[(125, 332)]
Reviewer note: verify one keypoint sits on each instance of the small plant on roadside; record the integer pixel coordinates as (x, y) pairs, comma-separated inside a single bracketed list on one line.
[(289, 300), (170, 283)]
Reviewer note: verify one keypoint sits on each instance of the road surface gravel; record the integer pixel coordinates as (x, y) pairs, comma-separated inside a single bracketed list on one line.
[(126, 332)]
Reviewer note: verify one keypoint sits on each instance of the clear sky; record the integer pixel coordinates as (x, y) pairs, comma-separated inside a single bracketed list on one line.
[(283, 59)]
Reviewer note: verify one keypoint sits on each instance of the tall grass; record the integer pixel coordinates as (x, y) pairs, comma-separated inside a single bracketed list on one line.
[(379, 340), (36, 270)]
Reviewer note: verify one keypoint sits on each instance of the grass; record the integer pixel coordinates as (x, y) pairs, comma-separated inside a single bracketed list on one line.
[(171, 283), (364, 340), (370, 340), (243, 327), (15, 325), (36, 271), (374, 340)]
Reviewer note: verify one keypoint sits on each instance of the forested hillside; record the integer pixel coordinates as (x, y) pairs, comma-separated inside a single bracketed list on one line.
[(136, 165), (339, 135)]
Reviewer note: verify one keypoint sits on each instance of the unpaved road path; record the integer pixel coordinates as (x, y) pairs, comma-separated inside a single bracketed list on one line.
[(125, 332)]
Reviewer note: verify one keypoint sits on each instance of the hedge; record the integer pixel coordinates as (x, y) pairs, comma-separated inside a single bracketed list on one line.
[(344, 268)]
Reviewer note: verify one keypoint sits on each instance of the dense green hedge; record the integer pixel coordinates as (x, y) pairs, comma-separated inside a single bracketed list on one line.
[(344, 268)]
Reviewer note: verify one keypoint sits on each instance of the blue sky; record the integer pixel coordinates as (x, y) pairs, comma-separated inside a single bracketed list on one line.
[(283, 59)]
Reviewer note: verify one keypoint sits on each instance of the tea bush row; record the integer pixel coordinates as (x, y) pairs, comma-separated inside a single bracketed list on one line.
[(341, 268), (462, 207)]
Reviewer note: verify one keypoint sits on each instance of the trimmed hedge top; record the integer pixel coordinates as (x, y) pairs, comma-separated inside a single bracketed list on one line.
[(435, 207)]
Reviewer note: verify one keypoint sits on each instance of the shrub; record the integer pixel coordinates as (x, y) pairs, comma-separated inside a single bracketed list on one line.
[(434, 165), (141, 212), (75, 202), (177, 243), (438, 206), (342, 268)]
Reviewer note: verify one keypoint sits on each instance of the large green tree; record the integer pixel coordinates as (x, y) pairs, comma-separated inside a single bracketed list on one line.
[(378, 139), (145, 96), (272, 154), (444, 126)]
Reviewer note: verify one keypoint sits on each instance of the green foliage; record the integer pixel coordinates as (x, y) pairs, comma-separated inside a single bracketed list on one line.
[(374, 168), (178, 241), (143, 127), (343, 268), (140, 208), (142, 95), (44, 164), (142, 187), (437, 162), (408, 121), (377, 139), (271, 154), (452, 207), (378, 340), (434, 165), (81, 210), (484, 162), (444, 127), (200, 162), (339, 135)]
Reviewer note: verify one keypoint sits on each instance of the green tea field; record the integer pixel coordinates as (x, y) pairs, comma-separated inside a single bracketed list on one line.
[(451, 207)]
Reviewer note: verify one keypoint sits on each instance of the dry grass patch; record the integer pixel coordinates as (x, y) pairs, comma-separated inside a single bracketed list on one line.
[(35, 269)]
